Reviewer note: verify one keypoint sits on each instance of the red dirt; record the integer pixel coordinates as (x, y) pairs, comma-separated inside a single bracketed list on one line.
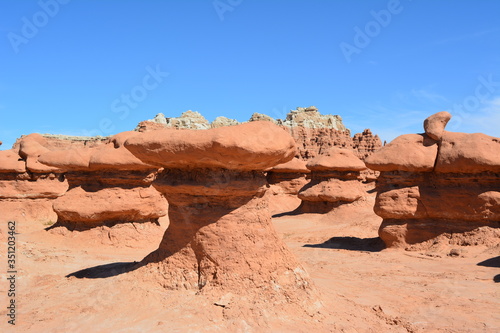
[(444, 286)]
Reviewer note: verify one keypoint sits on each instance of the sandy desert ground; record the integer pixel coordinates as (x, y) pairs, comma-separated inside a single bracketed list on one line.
[(449, 285)]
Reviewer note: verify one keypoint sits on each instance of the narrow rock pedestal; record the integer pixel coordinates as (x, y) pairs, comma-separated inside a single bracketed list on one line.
[(220, 238), (220, 234)]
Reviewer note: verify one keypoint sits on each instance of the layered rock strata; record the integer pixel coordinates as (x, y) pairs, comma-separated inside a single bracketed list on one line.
[(63, 142), (335, 180), (27, 188), (288, 178), (437, 182), (220, 237), (107, 185)]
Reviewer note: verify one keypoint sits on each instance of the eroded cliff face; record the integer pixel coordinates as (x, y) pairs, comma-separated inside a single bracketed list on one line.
[(312, 142), (437, 182), (364, 144)]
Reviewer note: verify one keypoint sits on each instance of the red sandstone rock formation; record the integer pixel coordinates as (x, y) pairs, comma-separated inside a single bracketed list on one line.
[(364, 144), (28, 188), (288, 178), (313, 132), (108, 185), (312, 142), (335, 180), (285, 180), (63, 142), (220, 238), (437, 182), (435, 124)]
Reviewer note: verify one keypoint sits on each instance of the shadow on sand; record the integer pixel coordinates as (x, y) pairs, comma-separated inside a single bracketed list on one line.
[(106, 271), (290, 213), (492, 262), (374, 244)]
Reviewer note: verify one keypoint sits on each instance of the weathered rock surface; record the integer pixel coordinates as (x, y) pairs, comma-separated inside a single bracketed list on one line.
[(408, 152), (189, 119), (311, 118), (364, 144), (107, 185), (435, 124), (28, 188), (335, 180), (336, 159), (148, 125), (260, 142), (312, 142), (429, 187), (11, 162), (313, 132), (64, 142), (23, 186), (288, 178), (468, 153), (220, 237), (38, 164), (109, 204), (262, 117), (223, 121)]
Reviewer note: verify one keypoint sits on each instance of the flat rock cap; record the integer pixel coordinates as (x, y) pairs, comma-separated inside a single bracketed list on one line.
[(105, 157), (10, 161), (251, 146), (336, 159), (295, 165), (468, 153), (408, 152)]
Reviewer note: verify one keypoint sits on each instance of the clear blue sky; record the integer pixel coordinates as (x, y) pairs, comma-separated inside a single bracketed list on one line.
[(100, 66)]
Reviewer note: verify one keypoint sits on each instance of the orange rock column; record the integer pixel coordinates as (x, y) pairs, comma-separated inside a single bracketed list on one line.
[(220, 234), (220, 238)]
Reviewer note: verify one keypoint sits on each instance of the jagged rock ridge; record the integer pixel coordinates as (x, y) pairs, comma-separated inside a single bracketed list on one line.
[(314, 132)]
